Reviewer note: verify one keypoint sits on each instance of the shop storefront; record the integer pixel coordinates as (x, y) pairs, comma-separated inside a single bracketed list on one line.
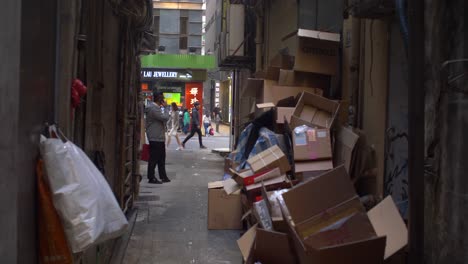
[(179, 86)]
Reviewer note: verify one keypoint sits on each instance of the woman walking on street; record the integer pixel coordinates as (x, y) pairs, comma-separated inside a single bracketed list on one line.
[(206, 123), (175, 126), (156, 119)]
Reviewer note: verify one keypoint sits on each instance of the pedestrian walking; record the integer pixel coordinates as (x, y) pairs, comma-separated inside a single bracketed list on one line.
[(217, 117), (186, 121), (195, 126), (175, 126), (156, 119), (207, 123)]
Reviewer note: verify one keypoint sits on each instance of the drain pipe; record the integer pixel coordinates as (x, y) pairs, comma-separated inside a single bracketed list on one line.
[(401, 11), (259, 43)]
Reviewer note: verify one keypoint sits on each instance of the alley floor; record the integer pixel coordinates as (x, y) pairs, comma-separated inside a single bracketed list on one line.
[(171, 225)]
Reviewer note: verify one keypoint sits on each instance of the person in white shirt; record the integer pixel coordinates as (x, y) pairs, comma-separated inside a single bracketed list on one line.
[(174, 126), (206, 123)]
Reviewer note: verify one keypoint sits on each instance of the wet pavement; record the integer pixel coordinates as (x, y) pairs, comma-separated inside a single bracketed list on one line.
[(171, 226)]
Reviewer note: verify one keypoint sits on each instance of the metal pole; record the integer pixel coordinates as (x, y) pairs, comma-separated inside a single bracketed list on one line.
[(416, 131)]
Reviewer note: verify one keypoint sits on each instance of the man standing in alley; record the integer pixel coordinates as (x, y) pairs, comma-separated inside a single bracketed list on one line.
[(157, 115), (195, 126)]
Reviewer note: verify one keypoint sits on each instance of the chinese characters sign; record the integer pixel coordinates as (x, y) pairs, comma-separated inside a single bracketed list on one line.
[(194, 93)]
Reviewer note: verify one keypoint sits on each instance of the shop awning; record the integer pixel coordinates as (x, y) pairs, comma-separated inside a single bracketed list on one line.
[(180, 61)]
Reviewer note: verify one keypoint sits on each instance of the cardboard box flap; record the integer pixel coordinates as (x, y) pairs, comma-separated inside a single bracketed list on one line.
[(246, 242), (387, 221), (265, 105), (317, 195), (325, 36), (319, 165), (368, 251), (230, 186), (272, 247), (346, 140), (215, 185), (319, 102)]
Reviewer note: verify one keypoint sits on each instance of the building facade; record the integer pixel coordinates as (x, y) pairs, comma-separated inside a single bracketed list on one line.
[(177, 67)]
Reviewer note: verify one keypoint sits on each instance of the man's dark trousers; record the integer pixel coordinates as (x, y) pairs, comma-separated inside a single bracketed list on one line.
[(196, 129), (157, 157)]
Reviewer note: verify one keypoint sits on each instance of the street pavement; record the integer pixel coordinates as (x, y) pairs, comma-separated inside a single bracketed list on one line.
[(171, 225)]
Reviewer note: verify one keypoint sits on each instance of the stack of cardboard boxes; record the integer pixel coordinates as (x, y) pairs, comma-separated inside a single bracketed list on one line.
[(302, 206)]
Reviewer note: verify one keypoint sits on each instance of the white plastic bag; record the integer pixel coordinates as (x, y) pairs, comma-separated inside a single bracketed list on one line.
[(87, 206)]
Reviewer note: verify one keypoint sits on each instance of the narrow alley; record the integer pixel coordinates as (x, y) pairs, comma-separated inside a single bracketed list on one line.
[(171, 225)]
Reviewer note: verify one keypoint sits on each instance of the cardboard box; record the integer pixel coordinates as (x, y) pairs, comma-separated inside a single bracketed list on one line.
[(312, 144), (345, 141), (268, 91), (246, 242), (317, 52), (224, 211), (247, 177), (304, 79), (328, 223), (314, 111), (271, 158), (273, 248)]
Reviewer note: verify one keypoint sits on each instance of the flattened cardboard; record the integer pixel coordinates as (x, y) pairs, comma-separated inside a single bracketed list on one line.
[(314, 144), (315, 111), (273, 248), (346, 139), (224, 211), (317, 166), (387, 221), (303, 79), (271, 158), (317, 52), (246, 242), (284, 112)]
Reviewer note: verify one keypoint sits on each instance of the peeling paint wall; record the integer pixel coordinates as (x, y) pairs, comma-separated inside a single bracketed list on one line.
[(446, 121)]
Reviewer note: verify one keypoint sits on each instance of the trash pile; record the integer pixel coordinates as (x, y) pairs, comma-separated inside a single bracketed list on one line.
[(300, 182)]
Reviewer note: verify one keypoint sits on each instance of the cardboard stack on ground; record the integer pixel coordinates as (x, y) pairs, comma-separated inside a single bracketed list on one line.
[(318, 216)]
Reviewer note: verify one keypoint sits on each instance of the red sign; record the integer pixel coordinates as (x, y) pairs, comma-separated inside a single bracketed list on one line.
[(194, 93)]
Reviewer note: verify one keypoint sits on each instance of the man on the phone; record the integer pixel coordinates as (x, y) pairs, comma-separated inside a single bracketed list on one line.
[(157, 115)]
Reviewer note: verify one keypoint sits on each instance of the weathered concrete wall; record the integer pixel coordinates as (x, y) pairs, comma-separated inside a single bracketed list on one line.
[(446, 120), (396, 143), (10, 36), (325, 15), (27, 81)]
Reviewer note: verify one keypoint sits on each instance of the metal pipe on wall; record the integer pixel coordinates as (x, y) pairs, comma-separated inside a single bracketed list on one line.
[(416, 97)]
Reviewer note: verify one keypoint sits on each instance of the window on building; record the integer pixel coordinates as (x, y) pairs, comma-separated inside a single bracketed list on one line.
[(183, 43)]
